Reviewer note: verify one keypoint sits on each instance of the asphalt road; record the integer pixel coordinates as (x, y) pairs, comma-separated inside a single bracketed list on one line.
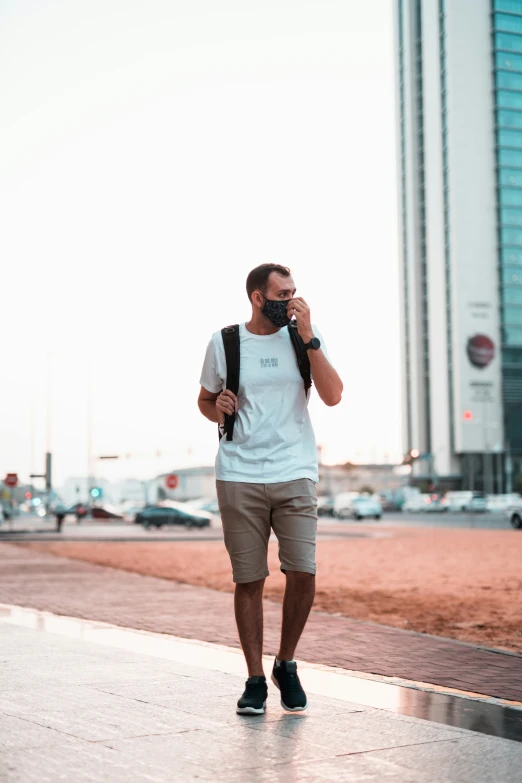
[(37, 529), (487, 521)]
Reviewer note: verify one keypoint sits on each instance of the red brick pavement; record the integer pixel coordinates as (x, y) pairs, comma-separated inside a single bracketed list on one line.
[(78, 589)]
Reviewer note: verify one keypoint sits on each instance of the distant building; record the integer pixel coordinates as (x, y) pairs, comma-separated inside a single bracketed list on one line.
[(459, 98), (334, 479)]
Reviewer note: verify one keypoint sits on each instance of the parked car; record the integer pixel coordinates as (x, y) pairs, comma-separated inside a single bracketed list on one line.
[(458, 500), (204, 504), (343, 504), (172, 514), (499, 503), (435, 503), (105, 512), (416, 503), (364, 507), (514, 513), (130, 512), (390, 501), (325, 506), (478, 503)]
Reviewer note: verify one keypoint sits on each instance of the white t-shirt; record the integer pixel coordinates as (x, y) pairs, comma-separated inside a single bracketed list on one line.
[(273, 439)]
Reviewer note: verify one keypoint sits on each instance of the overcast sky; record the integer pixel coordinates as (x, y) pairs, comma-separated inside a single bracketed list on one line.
[(152, 153)]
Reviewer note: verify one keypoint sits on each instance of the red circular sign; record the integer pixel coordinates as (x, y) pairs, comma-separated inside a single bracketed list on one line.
[(481, 350), (11, 480), (171, 481)]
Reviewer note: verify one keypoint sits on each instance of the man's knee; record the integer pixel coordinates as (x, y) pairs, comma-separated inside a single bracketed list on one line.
[(302, 578), (250, 588)]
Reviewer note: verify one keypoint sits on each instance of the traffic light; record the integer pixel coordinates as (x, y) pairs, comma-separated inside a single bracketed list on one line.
[(28, 496), (96, 492), (414, 453)]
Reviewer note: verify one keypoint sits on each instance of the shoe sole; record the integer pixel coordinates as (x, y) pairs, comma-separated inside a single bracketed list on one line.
[(251, 710), (283, 705)]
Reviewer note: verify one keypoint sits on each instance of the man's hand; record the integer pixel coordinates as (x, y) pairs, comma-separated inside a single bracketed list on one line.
[(226, 403), (300, 309)]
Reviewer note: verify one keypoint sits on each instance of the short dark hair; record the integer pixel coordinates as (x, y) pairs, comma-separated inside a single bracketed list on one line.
[(257, 279)]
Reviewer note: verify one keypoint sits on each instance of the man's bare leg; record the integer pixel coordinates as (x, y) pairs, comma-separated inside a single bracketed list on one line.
[(298, 600), (248, 607)]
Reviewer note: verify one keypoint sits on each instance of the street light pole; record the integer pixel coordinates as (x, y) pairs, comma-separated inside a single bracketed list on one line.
[(49, 399), (89, 428), (48, 454)]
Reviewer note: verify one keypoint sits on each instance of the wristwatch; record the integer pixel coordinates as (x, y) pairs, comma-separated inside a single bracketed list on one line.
[(314, 344)]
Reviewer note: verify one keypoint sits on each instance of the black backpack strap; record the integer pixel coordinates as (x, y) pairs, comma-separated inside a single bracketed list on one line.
[(230, 335), (301, 354)]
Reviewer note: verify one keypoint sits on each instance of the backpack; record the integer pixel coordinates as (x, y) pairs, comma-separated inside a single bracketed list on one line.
[(231, 344)]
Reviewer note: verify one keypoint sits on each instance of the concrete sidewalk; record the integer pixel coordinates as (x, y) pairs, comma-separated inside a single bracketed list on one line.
[(75, 710), (71, 587)]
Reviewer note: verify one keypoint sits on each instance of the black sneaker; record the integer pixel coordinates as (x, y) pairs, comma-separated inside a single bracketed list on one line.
[(284, 677), (253, 700)]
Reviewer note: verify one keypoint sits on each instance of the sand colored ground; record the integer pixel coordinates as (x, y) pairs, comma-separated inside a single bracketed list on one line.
[(463, 584)]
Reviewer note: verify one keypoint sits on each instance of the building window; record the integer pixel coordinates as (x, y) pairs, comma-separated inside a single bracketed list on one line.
[(511, 256), (510, 197), (513, 296), (511, 178), (509, 100), (511, 236), (511, 24), (511, 6), (511, 276), (510, 158), (512, 335), (509, 62), (513, 316), (509, 119), (511, 217), (507, 42), (510, 138), (509, 81)]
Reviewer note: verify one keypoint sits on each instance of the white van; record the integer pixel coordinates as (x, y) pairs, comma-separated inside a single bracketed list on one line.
[(458, 501)]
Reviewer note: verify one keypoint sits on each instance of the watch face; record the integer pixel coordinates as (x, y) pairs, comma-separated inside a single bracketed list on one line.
[(315, 343)]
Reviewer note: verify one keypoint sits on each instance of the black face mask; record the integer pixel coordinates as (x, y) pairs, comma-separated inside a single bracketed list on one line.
[(275, 311)]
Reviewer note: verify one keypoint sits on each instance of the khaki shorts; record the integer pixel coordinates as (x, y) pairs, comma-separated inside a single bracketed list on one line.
[(250, 511)]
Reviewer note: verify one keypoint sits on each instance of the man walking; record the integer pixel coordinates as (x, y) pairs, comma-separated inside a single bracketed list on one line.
[(267, 470)]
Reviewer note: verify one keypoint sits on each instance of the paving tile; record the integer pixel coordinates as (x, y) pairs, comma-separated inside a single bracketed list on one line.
[(93, 715), (217, 700), (357, 732), (76, 762), (361, 768), (17, 733), (231, 748), (469, 759)]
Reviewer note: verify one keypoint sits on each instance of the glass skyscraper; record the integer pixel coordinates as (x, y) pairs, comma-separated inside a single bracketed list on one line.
[(459, 113), (507, 58)]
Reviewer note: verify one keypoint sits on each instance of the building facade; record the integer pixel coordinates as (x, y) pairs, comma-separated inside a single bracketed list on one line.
[(459, 99)]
